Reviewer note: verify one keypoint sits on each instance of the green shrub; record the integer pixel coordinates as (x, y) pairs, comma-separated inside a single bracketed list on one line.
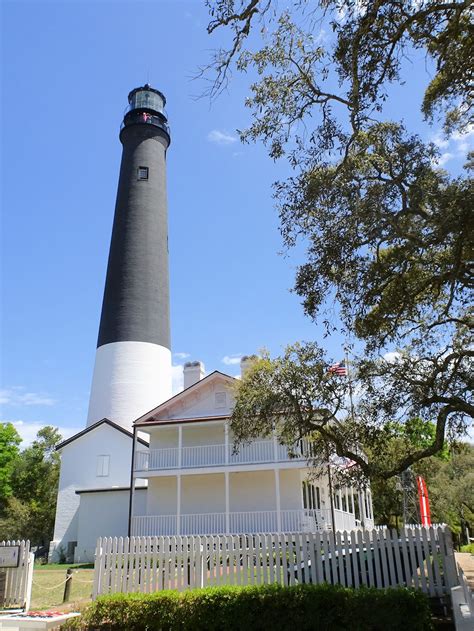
[(468, 548), (261, 608)]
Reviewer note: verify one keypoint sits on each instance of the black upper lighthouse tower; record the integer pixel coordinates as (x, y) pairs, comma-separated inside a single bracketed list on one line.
[(132, 372)]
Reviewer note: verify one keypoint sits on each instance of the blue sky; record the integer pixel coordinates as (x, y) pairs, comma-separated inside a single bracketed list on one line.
[(67, 70)]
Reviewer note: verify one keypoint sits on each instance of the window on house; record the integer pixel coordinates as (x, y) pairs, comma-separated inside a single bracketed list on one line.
[(344, 501), (356, 506), (337, 500), (143, 173), (103, 462), (311, 496), (220, 399)]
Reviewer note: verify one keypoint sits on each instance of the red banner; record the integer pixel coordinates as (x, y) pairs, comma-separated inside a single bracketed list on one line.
[(424, 501)]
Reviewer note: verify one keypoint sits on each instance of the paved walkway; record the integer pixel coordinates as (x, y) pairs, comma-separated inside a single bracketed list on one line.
[(465, 560), (462, 596)]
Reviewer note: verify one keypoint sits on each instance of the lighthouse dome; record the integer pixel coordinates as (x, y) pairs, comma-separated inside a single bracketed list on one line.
[(146, 98)]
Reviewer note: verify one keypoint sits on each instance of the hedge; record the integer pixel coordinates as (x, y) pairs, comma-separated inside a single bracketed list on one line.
[(261, 608)]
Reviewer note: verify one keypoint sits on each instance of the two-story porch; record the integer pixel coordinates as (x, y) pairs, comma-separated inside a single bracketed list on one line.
[(199, 484)]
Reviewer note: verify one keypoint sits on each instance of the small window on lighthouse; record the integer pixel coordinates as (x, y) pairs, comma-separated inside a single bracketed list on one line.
[(143, 173), (103, 466)]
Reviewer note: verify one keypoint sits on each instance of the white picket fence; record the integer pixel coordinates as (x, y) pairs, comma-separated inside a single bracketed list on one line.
[(412, 526), (18, 580), (420, 558)]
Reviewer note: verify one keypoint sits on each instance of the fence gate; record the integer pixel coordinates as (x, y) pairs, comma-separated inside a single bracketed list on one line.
[(422, 558), (16, 574)]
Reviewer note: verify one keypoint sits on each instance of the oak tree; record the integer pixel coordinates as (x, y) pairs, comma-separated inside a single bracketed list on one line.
[(388, 234)]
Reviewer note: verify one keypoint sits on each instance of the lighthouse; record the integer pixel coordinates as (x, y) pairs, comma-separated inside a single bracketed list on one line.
[(132, 372)]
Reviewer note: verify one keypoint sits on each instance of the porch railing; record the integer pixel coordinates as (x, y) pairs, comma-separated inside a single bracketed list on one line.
[(216, 455), (232, 523)]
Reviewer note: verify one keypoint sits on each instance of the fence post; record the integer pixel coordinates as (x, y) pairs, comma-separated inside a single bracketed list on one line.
[(98, 569), (452, 578), (67, 585), (3, 587), (202, 566), (29, 581)]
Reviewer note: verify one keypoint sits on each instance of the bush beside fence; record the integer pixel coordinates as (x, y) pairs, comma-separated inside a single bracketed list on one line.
[(261, 608)]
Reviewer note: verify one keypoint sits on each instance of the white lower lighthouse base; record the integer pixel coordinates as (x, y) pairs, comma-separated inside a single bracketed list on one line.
[(130, 378)]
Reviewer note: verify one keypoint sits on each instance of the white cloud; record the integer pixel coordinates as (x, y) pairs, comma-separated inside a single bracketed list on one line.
[(439, 141), (322, 36), (231, 360), (176, 378), (221, 137), (358, 9), (470, 433), (459, 144), (392, 357), (28, 430), (444, 158), (17, 396), (177, 381), (465, 134), (341, 14), (181, 355)]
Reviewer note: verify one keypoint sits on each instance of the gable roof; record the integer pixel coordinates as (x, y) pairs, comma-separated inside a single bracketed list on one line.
[(104, 421), (216, 374)]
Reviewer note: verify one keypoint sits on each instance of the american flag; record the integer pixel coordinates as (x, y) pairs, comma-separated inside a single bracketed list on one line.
[(339, 369), (342, 462)]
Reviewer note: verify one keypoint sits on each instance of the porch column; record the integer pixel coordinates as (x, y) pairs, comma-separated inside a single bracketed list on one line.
[(275, 447), (352, 501), (132, 481), (278, 499), (226, 441), (227, 503), (362, 507), (180, 446), (331, 498), (178, 504)]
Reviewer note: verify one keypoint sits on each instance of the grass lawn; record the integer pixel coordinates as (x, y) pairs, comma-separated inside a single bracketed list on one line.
[(48, 586)]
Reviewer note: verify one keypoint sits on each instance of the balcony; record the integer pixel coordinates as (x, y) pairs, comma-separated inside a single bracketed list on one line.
[(237, 523), (259, 452), (139, 118)]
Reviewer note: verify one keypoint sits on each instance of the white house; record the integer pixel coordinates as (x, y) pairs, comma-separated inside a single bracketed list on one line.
[(198, 483), (188, 478), (94, 490)]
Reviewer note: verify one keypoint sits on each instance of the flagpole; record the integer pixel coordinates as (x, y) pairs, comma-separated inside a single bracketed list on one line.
[(349, 380), (331, 495), (351, 400)]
